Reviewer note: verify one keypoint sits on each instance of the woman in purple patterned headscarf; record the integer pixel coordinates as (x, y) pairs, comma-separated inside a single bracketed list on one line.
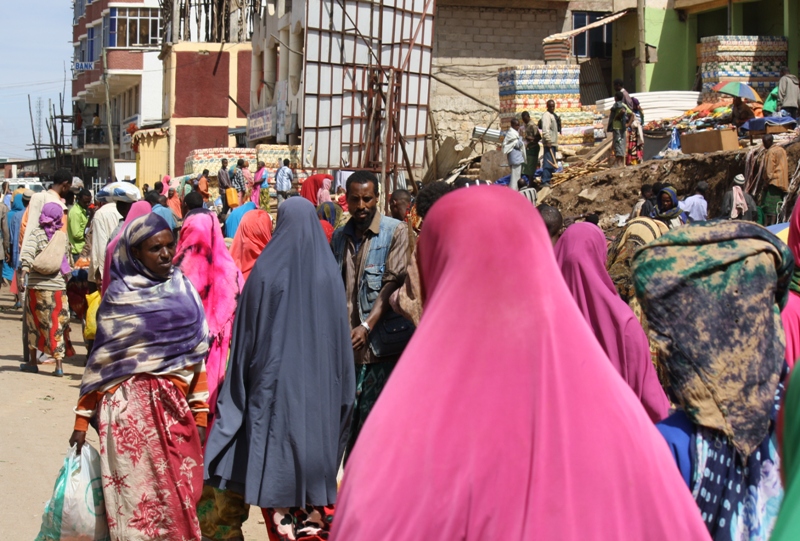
[(145, 388), (47, 312)]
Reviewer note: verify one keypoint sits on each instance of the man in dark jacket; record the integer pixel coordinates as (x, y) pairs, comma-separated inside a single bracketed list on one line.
[(788, 93)]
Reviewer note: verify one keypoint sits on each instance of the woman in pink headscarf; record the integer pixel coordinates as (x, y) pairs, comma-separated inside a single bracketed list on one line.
[(791, 313), (504, 418), (204, 259), (260, 178), (581, 254), (138, 209), (324, 193), (165, 180)]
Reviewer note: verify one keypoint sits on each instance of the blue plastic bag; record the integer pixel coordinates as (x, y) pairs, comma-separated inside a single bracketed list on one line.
[(77, 511), (675, 140)]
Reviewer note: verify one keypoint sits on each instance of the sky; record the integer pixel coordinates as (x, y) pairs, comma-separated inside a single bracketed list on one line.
[(37, 47)]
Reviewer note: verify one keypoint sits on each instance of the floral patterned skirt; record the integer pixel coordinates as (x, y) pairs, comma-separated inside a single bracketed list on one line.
[(151, 461), (47, 316)]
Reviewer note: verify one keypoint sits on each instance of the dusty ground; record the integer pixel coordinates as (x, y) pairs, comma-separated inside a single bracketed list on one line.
[(36, 419)]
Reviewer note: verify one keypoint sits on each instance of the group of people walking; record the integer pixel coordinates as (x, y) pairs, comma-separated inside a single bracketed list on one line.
[(640, 392)]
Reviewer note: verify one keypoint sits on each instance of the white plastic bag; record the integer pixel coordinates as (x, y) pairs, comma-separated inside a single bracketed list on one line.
[(76, 512), (119, 191)]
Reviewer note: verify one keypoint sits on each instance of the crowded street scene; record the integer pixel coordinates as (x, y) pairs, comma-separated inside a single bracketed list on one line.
[(356, 270)]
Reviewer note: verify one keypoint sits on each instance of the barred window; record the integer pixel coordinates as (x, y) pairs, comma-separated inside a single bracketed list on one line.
[(595, 42), (132, 27)]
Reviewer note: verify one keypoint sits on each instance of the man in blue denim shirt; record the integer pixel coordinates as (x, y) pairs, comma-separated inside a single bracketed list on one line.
[(372, 251)]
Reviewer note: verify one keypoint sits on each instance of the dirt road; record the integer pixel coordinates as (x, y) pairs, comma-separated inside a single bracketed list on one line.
[(35, 425)]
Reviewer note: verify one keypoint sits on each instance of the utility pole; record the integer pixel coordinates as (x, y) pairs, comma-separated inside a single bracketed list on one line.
[(110, 134), (39, 120), (33, 130), (176, 24), (641, 67)]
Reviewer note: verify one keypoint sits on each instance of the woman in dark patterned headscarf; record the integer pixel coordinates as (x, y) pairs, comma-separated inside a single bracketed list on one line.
[(145, 387), (668, 210), (712, 293)]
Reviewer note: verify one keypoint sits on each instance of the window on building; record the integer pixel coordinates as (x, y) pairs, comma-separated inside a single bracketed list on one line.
[(91, 45), (129, 27), (597, 41), (82, 51), (110, 29), (78, 10)]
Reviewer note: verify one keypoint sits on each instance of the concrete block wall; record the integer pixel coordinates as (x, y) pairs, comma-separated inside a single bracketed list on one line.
[(470, 44)]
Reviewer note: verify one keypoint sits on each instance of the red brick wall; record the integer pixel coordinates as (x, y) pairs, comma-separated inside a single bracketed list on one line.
[(243, 83), (198, 92), (188, 138), (125, 59)]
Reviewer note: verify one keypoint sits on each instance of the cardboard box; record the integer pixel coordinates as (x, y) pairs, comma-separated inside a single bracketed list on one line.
[(709, 141)]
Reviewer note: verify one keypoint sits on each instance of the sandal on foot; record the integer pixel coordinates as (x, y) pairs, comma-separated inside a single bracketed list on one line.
[(58, 373), (25, 367)]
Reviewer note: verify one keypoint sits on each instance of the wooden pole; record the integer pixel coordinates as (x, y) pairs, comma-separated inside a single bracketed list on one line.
[(33, 129), (730, 17), (470, 96), (402, 141), (436, 146), (385, 143), (111, 165), (641, 67)]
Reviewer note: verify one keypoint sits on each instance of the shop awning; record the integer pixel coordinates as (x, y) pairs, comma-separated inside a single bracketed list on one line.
[(153, 132), (563, 36)]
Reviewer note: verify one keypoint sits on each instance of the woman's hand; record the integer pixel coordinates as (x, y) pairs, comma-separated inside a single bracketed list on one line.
[(202, 431), (78, 437)]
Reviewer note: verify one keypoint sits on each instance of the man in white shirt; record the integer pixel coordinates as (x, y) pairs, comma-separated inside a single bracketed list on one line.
[(105, 221), (550, 142), (696, 205), (513, 148)]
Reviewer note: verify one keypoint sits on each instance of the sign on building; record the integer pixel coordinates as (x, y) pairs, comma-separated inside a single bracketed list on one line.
[(261, 124), (83, 66), (126, 130)]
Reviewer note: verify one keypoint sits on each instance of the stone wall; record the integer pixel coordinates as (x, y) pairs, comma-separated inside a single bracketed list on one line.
[(471, 43)]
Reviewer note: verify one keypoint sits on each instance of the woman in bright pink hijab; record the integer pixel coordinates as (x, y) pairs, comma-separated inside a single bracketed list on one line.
[(791, 313), (504, 419), (204, 259), (166, 180), (581, 254)]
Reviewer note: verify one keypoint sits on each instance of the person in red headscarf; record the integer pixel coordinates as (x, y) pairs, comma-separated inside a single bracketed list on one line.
[(253, 234), (311, 187)]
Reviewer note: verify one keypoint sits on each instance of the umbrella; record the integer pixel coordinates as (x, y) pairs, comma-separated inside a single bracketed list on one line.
[(739, 90), (780, 230)]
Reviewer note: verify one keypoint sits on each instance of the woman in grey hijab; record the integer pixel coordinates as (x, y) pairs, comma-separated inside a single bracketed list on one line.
[(283, 412)]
